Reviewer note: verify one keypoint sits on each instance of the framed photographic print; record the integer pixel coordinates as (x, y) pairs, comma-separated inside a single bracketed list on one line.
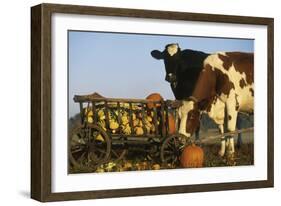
[(130, 102)]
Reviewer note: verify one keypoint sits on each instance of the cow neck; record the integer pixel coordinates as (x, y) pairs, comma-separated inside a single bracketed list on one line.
[(204, 104), (205, 87)]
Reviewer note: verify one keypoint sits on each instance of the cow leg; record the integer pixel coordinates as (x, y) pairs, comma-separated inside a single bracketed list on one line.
[(239, 126), (197, 133), (227, 140), (222, 150), (231, 122), (183, 118)]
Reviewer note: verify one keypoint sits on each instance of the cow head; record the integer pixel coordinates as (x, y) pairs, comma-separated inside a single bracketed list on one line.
[(189, 109), (171, 56)]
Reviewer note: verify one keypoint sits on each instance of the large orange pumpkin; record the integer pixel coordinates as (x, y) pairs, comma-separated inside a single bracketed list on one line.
[(154, 97), (192, 156)]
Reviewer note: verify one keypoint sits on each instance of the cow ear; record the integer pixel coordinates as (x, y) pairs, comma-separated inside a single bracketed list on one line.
[(157, 54)]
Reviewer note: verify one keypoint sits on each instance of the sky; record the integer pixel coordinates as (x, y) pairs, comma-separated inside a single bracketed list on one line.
[(119, 65)]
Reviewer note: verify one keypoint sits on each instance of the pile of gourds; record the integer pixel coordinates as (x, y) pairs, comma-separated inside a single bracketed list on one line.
[(139, 122), (142, 121)]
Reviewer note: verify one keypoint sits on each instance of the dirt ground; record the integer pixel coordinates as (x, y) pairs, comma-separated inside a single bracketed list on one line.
[(135, 161)]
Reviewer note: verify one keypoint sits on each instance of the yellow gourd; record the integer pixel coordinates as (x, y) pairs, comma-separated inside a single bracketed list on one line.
[(90, 119), (113, 125), (138, 131), (101, 115), (126, 129), (100, 138)]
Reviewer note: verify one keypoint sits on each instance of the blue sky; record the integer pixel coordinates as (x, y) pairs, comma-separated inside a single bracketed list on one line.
[(120, 65)]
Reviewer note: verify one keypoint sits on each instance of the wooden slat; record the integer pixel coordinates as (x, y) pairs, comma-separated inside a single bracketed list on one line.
[(81, 112), (155, 118), (119, 115), (106, 115), (164, 123), (167, 119), (131, 117), (176, 115), (95, 113), (143, 115)]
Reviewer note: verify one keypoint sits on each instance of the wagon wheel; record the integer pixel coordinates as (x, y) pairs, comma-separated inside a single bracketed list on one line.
[(89, 146), (170, 149)]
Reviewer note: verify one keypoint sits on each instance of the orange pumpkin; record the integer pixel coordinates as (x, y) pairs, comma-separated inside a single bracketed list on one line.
[(192, 156), (154, 97), (172, 124)]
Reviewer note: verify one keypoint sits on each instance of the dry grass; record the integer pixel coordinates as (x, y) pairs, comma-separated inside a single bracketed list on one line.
[(137, 161)]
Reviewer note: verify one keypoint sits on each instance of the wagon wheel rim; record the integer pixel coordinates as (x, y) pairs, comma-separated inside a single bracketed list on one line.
[(170, 149), (89, 147)]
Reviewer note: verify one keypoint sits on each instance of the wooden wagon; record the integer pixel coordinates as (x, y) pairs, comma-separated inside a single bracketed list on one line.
[(108, 130)]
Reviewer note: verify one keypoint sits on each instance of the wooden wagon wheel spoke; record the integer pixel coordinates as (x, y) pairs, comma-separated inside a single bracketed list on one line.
[(77, 150), (170, 146), (101, 151), (92, 157), (81, 157), (168, 152)]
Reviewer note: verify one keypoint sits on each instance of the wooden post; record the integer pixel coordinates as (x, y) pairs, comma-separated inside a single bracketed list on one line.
[(155, 118), (81, 112), (118, 112), (106, 115), (131, 117), (143, 122), (94, 112)]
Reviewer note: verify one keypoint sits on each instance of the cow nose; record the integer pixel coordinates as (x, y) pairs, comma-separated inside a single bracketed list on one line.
[(169, 77)]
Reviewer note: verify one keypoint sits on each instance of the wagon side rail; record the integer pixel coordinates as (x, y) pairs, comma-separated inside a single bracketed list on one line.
[(90, 98)]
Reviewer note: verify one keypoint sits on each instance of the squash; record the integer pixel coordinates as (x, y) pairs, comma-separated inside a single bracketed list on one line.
[(88, 111), (139, 131), (156, 167), (154, 97), (124, 120), (100, 138), (101, 115), (90, 119), (192, 156), (126, 129), (113, 125)]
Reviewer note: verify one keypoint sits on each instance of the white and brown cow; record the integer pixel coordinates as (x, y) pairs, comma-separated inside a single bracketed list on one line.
[(225, 86)]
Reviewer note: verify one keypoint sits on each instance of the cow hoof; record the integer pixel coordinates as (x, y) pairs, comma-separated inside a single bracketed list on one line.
[(231, 154)]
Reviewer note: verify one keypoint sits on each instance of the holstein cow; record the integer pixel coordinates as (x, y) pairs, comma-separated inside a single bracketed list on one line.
[(182, 69), (224, 86)]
